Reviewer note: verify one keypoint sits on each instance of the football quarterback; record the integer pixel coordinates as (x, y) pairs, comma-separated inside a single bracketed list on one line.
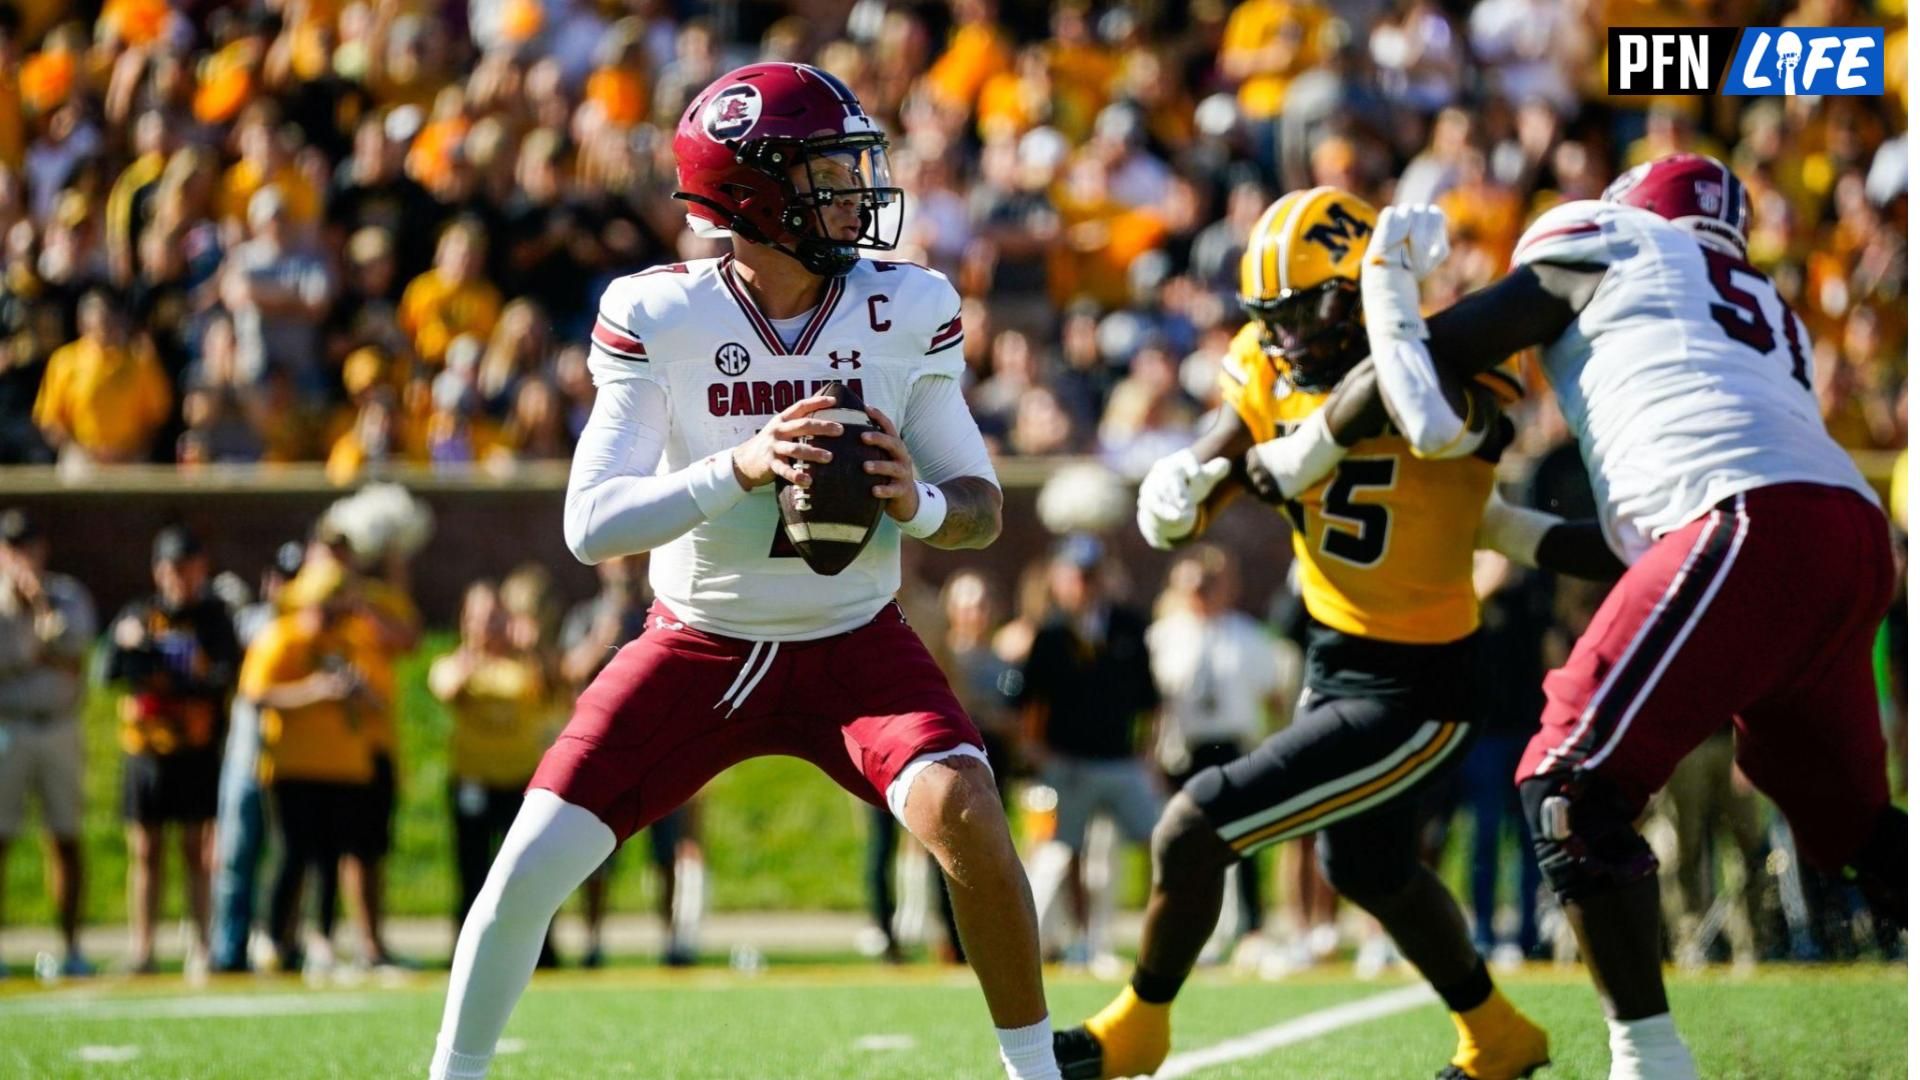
[(709, 378)]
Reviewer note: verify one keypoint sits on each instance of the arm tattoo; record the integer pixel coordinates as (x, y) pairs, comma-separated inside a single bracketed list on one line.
[(973, 513)]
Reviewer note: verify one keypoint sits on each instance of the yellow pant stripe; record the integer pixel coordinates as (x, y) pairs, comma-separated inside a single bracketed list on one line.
[(1302, 822)]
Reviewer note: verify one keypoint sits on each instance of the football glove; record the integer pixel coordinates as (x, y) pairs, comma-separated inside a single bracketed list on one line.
[(1513, 531), (1171, 494), (1408, 243)]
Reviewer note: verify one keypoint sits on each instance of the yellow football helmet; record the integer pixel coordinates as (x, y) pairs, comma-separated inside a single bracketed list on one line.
[(1300, 278)]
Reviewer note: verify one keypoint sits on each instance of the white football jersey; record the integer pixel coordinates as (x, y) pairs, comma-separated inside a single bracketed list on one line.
[(727, 369), (1686, 378)]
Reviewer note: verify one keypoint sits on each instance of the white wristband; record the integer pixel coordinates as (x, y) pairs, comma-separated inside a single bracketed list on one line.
[(715, 489), (932, 513), (1302, 458), (1390, 296)]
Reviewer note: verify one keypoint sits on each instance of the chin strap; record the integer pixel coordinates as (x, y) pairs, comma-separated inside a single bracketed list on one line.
[(820, 257)]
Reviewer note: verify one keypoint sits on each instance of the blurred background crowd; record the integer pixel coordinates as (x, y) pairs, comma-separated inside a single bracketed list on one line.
[(371, 232), (271, 731)]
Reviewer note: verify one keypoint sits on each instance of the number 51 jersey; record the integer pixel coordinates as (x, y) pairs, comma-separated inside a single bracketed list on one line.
[(693, 329), (1686, 378)]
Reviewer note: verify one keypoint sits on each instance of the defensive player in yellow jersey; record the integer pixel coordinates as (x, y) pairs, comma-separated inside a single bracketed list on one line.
[(1385, 545)]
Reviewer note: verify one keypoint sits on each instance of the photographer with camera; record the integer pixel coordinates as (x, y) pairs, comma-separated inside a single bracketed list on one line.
[(174, 655)]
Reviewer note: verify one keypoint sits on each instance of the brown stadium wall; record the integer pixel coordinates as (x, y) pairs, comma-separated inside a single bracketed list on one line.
[(101, 525)]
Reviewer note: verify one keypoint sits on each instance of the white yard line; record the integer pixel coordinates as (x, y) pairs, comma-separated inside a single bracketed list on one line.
[(1299, 1029), (97, 1007)]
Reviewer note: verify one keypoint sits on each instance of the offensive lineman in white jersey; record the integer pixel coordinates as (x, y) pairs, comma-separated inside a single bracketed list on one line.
[(705, 374), (1759, 562)]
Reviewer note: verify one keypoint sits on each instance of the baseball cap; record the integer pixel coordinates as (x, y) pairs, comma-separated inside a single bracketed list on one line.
[(16, 528), (1080, 550), (288, 557), (316, 584), (175, 544)]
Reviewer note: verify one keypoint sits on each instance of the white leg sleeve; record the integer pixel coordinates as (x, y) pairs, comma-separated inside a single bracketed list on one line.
[(551, 848), (689, 900)]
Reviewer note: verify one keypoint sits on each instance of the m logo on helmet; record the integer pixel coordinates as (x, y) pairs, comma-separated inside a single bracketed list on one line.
[(1338, 233), (733, 112)]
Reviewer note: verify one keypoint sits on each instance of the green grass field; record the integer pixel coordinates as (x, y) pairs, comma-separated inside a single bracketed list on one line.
[(779, 833), (856, 1021)]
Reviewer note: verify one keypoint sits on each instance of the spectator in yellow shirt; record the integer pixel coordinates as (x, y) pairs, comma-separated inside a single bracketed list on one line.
[(1267, 43), (305, 677), (975, 52), (1082, 69), (266, 157), (452, 298), (497, 696), (104, 397), (130, 205), (384, 628)]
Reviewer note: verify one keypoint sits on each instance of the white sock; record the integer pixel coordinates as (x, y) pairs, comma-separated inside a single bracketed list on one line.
[(448, 1065), (551, 848), (689, 900), (1027, 1052), (1649, 1049)]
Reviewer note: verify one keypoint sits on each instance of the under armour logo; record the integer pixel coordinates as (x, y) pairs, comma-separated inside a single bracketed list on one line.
[(665, 623), (837, 359)]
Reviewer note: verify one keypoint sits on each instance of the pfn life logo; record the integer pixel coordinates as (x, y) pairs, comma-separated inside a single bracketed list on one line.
[(1809, 60), (1756, 60)]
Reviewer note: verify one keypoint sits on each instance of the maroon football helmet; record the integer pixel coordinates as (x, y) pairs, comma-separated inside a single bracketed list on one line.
[(1693, 191), (742, 143)]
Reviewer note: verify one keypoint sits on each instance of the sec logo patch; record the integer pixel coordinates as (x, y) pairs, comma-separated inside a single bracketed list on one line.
[(733, 112), (732, 359)]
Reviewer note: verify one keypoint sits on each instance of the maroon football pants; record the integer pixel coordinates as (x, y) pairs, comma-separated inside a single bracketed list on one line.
[(678, 705), (1762, 614)]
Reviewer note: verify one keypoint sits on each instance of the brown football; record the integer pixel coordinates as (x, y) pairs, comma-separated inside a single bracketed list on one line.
[(830, 521)]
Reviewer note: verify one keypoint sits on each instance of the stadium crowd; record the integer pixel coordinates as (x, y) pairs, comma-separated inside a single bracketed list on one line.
[(372, 232)]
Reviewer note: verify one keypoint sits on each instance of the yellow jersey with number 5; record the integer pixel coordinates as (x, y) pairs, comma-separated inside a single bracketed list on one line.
[(1385, 542)]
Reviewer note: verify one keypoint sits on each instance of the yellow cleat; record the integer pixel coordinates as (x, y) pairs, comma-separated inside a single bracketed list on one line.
[(1129, 1037), (1497, 1042)]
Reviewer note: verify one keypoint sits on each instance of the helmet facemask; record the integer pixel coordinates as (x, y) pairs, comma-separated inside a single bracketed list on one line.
[(839, 198), (1317, 332)]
